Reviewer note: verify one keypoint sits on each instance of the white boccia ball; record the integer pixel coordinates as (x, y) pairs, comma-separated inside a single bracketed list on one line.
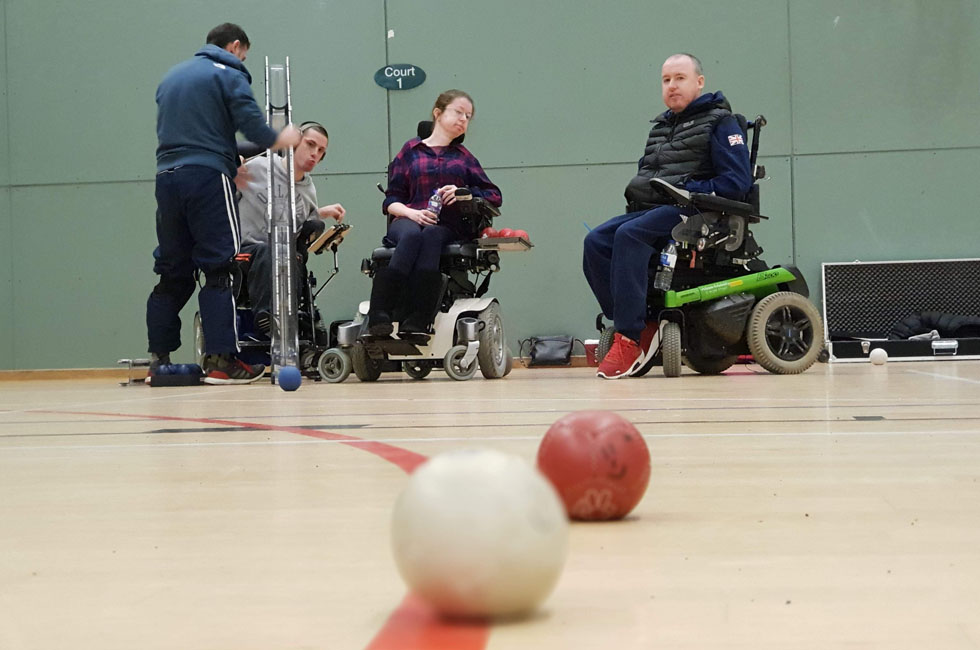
[(479, 533), (878, 356)]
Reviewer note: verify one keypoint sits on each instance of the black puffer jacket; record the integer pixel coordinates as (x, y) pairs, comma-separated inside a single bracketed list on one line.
[(678, 148)]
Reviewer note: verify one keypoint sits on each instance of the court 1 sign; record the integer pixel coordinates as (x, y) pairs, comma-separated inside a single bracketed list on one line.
[(399, 76)]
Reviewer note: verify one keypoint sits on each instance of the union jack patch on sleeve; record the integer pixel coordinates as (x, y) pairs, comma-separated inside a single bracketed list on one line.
[(735, 139)]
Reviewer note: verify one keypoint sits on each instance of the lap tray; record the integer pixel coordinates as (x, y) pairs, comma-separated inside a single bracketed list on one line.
[(504, 244), (332, 236)]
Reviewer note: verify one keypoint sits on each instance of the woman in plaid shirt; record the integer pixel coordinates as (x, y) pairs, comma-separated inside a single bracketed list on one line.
[(436, 164)]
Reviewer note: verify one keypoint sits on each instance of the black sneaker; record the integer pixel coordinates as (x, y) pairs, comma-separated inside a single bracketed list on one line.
[(263, 323), (156, 360), (226, 369)]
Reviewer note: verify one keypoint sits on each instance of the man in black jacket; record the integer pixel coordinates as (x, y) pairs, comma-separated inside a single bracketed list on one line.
[(696, 144)]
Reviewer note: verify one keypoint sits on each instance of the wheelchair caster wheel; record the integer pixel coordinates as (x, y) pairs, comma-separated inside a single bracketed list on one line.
[(671, 349), (452, 366), (334, 366)]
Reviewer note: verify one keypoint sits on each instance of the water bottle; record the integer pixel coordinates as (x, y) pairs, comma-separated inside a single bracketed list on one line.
[(665, 275), (435, 203)]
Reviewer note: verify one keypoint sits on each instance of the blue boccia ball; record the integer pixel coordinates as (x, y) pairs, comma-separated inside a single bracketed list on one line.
[(289, 378)]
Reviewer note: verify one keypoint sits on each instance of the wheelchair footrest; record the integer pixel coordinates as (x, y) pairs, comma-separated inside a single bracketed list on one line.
[(376, 346)]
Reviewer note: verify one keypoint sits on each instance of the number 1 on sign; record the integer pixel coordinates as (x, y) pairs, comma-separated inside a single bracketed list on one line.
[(399, 82)]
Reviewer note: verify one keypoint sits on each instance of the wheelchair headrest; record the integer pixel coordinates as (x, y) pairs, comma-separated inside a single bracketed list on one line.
[(424, 130)]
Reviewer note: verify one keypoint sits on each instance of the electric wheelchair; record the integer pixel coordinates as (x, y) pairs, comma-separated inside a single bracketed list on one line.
[(467, 327), (723, 300), (319, 357)]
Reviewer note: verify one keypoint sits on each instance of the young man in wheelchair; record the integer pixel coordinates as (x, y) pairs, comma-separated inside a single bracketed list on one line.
[(252, 182), (696, 144)]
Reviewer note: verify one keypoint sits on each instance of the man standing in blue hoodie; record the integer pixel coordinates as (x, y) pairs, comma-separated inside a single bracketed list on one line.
[(696, 144), (201, 104)]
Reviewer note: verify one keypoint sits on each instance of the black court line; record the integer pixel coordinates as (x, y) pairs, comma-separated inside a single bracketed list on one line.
[(381, 427), (661, 409), (312, 427)]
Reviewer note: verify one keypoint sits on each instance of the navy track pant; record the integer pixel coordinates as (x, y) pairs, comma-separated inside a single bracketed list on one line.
[(615, 260), (197, 229)]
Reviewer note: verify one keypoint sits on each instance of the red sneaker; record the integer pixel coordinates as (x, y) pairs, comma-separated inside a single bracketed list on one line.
[(226, 369), (649, 344), (623, 358)]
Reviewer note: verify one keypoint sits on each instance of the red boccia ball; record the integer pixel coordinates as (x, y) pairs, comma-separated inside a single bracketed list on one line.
[(598, 462), (505, 232), (522, 234), (488, 232)]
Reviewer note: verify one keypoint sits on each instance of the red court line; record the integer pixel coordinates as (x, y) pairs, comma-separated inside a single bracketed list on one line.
[(403, 458), (414, 625)]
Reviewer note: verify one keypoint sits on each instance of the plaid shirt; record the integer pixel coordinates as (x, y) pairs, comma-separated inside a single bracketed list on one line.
[(417, 171)]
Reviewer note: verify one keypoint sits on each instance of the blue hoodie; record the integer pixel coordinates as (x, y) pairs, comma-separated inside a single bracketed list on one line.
[(201, 103), (729, 151)]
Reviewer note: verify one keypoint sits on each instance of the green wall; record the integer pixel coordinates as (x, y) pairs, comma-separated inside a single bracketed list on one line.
[(871, 148), (6, 245)]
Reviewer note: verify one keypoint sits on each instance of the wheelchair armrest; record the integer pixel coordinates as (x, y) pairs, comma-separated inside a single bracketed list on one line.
[(682, 197), (484, 208), (705, 201), (721, 204)]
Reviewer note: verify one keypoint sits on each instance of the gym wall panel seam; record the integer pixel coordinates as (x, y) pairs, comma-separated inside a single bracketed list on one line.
[(6, 214)]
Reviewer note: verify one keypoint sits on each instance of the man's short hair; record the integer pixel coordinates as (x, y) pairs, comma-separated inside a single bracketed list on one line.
[(695, 60), (227, 33), (315, 126)]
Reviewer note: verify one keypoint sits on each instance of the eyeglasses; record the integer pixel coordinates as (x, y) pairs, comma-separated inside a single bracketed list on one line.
[(459, 113)]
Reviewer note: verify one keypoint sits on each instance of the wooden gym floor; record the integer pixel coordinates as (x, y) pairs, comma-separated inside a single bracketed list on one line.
[(835, 509)]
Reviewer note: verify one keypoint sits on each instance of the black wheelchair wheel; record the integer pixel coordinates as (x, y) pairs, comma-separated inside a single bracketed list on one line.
[(366, 368), (709, 365), (784, 333), (671, 349), (605, 343), (417, 369)]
